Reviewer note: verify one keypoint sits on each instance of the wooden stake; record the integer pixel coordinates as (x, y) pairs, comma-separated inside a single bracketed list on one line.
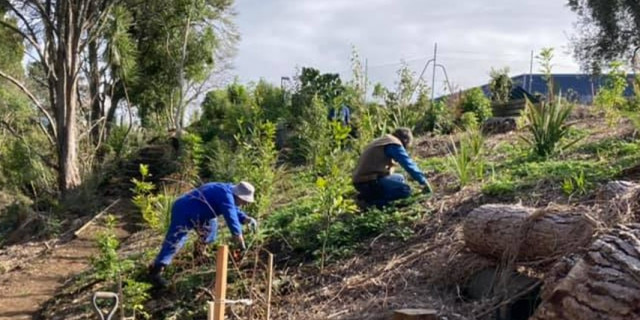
[(221, 283), (212, 306), (270, 284)]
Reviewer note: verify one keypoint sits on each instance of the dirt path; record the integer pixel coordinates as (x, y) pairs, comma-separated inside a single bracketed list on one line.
[(24, 289)]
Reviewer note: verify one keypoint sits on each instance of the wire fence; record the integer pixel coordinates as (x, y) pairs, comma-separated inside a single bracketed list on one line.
[(465, 69)]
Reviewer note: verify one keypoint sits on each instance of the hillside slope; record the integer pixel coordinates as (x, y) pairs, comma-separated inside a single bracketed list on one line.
[(421, 264)]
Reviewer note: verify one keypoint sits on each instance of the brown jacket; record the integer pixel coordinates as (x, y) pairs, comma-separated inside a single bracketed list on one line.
[(373, 163)]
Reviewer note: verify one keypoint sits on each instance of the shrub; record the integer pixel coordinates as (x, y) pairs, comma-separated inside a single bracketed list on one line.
[(469, 121), (108, 266), (253, 159), (610, 99), (154, 208), (547, 125), (466, 160), (475, 101), (500, 85), (439, 118)]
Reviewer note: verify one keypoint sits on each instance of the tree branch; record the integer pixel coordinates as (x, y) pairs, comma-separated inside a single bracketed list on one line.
[(33, 98), (19, 32), (46, 160)]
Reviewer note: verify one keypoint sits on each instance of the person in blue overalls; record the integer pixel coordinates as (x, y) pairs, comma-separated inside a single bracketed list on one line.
[(198, 210), (343, 116)]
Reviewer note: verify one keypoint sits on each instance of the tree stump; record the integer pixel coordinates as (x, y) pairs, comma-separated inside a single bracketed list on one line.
[(526, 234), (415, 314), (604, 284)]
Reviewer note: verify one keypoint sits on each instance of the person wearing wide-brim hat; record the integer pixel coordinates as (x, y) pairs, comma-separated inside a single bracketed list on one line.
[(198, 209)]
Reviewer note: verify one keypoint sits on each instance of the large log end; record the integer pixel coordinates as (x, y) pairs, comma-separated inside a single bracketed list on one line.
[(604, 284), (527, 234)]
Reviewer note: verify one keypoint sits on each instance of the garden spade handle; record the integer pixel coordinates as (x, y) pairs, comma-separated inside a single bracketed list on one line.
[(105, 295)]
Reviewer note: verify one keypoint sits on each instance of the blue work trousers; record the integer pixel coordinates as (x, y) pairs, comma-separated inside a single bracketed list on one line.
[(178, 231), (384, 190)]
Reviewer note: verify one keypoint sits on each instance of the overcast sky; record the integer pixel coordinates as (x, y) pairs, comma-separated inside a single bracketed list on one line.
[(472, 36)]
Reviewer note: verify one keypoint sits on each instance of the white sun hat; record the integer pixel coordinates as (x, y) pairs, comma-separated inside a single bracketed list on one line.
[(244, 191)]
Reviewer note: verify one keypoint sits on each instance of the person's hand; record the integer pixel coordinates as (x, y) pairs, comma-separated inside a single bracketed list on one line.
[(239, 242), (426, 188), (253, 224), (238, 248)]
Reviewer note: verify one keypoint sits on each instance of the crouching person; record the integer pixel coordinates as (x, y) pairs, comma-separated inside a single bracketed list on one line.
[(373, 178), (198, 210)]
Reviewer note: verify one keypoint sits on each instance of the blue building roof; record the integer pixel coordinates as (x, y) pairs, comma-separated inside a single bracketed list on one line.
[(582, 87), (578, 87)]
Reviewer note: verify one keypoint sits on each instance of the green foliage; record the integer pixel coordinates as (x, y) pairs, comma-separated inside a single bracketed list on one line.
[(332, 203), (11, 48), (162, 31), (439, 118), (500, 85), (610, 99), (606, 30), (136, 294), (154, 208), (225, 112), (575, 184), (121, 52), (401, 110), (469, 121), (547, 125), (25, 153), (325, 86), (497, 187), (271, 101), (584, 173), (108, 266), (22, 169), (475, 101), (191, 157), (466, 161), (300, 228), (545, 58)]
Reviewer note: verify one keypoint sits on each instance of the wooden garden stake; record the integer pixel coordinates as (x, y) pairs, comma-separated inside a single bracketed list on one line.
[(221, 284), (270, 275)]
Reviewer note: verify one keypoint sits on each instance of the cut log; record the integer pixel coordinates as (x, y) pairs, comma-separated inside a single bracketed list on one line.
[(614, 189), (604, 284), (623, 207), (514, 232), (415, 314)]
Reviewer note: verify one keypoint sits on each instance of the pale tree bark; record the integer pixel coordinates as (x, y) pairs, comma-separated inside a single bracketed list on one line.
[(97, 109), (58, 31)]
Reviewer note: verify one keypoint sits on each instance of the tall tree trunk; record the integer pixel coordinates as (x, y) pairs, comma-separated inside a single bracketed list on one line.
[(97, 112), (66, 100)]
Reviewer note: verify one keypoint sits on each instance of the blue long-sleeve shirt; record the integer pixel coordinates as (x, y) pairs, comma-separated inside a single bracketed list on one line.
[(209, 201), (400, 155)]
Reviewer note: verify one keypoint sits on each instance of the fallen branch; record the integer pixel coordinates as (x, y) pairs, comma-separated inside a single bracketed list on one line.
[(77, 233)]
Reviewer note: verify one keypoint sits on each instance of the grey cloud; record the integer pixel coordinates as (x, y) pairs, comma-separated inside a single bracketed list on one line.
[(473, 36)]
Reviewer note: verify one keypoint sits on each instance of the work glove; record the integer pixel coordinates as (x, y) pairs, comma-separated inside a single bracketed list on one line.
[(253, 224)]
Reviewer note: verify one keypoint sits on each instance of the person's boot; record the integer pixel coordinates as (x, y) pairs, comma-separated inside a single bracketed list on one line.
[(155, 275)]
